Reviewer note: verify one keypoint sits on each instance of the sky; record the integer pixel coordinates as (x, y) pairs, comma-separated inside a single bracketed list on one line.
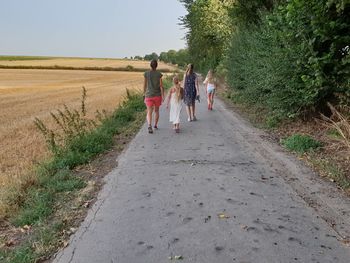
[(90, 28)]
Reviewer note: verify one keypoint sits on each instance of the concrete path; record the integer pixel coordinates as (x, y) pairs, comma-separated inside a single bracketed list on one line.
[(217, 192)]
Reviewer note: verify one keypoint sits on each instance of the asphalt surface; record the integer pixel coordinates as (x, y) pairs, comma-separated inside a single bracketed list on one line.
[(219, 191)]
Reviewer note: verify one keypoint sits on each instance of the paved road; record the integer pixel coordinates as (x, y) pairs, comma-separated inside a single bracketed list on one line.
[(217, 192)]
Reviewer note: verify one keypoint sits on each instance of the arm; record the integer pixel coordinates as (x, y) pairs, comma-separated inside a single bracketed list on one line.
[(184, 80), (205, 82), (144, 86), (161, 88), (197, 85), (168, 98)]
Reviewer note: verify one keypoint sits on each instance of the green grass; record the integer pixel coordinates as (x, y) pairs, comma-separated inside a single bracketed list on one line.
[(300, 143), (57, 184)]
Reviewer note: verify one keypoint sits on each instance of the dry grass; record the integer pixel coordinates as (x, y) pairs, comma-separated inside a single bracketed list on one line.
[(340, 122), (85, 62), (25, 94)]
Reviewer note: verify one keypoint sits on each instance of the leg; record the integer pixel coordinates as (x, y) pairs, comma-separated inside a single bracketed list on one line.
[(156, 110), (149, 115), (208, 100), (194, 111), (212, 99), (149, 118), (188, 110)]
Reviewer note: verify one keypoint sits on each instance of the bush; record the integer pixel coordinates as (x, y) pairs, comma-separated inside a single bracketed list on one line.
[(295, 60), (300, 143)]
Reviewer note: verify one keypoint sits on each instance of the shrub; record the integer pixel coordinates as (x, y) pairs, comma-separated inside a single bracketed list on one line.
[(295, 60), (300, 143)]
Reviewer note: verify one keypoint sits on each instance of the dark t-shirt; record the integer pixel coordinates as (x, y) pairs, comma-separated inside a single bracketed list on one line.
[(153, 83)]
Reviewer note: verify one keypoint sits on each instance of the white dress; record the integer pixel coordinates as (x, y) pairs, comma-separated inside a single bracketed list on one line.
[(175, 109)]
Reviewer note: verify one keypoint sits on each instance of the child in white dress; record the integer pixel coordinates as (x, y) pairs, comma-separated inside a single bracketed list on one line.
[(175, 99)]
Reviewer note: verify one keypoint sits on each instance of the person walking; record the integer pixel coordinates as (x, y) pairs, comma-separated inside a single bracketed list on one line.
[(191, 92), (175, 100), (210, 86), (153, 92)]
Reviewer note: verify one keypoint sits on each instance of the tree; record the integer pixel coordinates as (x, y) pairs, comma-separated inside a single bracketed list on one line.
[(151, 56), (209, 30)]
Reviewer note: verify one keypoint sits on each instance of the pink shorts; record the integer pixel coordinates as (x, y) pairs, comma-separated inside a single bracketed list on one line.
[(153, 101)]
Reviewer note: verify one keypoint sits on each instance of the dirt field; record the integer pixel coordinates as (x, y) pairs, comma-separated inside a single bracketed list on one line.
[(25, 94), (85, 62)]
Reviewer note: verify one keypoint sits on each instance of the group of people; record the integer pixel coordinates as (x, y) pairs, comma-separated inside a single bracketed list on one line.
[(187, 94)]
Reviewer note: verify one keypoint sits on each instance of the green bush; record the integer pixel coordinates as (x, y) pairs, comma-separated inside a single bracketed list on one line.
[(300, 143), (295, 59)]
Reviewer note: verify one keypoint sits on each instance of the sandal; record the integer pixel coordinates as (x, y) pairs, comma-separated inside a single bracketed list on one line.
[(150, 130), (155, 127)]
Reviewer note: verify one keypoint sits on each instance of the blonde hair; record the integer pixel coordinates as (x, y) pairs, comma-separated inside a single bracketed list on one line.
[(178, 91), (210, 76)]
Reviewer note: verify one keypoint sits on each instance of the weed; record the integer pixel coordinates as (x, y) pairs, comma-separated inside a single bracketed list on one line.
[(339, 124), (56, 182), (300, 143)]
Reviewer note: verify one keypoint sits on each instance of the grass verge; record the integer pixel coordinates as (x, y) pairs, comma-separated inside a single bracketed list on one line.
[(50, 209)]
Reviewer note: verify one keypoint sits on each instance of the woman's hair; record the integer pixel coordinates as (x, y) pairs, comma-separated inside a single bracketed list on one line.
[(210, 76), (178, 93), (189, 69), (154, 64)]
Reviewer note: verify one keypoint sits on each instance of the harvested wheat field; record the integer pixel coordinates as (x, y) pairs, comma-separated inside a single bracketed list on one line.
[(84, 62), (26, 94)]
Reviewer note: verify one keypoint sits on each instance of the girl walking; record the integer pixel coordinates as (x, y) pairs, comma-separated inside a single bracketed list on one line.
[(153, 93), (191, 92), (175, 99), (210, 86)]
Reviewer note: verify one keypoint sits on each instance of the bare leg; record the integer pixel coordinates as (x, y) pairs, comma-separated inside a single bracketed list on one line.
[(156, 110), (193, 111), (188, 110), (208, 100), (149, 115)]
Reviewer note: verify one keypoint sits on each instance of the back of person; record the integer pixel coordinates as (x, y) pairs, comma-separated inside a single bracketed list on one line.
[(153, 83)]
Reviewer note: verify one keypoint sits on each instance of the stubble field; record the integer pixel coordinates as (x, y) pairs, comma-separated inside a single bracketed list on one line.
[(83, 63), (26, 94)]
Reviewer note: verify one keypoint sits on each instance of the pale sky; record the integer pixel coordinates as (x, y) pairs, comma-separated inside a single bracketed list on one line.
[(90, 28)]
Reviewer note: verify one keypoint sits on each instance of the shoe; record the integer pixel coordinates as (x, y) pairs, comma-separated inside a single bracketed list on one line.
[(155, 127), (177, 130), (194, 118), (150, 130), (189, 119)]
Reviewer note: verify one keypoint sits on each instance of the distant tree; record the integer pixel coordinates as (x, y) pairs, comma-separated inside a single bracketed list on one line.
[(151, 56), (164, 57)]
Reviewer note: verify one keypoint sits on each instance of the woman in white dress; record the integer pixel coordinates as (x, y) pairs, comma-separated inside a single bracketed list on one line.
[(175, 99)]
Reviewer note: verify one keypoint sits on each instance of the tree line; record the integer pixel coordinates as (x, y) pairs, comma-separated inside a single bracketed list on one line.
[(176, 57), (288, 56)]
